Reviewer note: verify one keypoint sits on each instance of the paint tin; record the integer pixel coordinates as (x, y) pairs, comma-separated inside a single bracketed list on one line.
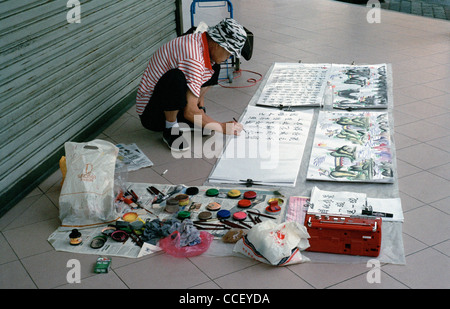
[(213, 206), (98, 242), (172, 205), (223, 214), (250, 195), (119, 235), (234, 193), (205, 215), (192, 191), (273, 208), (239, 216), (75, 238), (184, 215), (212, 192), (183, 199), (130, 216), (244, 203), (280, 201), (108, 230)]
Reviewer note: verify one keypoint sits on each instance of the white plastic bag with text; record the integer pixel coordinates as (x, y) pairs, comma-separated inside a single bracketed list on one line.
[(275, 244), (87, 194)]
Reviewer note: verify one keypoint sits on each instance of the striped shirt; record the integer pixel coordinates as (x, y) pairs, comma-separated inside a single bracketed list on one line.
[(188, 53)]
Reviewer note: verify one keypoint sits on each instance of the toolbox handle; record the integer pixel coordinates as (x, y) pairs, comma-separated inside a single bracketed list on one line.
[(344, 226)]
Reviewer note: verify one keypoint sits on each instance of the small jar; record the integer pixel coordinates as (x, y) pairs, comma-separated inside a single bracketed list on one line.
[(75, 238)]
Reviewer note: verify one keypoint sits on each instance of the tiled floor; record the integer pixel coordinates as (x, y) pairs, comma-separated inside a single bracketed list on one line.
[(289, 30)]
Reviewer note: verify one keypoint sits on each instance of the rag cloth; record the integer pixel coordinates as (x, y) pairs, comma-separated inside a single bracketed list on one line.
[(157, 229)]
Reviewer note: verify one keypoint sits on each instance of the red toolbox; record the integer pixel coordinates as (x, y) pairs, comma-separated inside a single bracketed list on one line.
[(353, 235)]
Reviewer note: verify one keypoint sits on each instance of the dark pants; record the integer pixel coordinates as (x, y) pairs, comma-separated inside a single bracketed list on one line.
[(170, 95)]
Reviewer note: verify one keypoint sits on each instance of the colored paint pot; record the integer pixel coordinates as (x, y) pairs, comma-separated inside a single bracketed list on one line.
[(98, 241), (192, 191), (280, 201), (205, 215), (223, 214), (234, 193), (212, 192), (183, 199), (250, 195), (172, 205), (213, 206), (119, 236), (273, 208), (244, 203), (239, 216), (108, 230), (184, 215), (130, 216)]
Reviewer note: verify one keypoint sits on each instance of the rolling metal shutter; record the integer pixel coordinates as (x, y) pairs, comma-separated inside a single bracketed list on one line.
[(62, 81)]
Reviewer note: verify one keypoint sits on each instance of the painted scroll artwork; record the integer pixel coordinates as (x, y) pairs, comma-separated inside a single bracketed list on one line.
[(352, 147), (295, 84), (359, 86)]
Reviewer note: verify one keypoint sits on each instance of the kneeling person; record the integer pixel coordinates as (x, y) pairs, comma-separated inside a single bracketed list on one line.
[(173, 86)]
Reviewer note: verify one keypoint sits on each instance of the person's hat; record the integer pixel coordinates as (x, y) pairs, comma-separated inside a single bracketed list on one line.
[(229, 35)]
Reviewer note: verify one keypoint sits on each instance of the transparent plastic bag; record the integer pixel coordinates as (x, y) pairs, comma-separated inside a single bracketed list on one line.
[(171, 245), (87, 194)]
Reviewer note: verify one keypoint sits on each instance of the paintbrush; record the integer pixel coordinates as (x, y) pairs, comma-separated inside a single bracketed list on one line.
[(237, 121)]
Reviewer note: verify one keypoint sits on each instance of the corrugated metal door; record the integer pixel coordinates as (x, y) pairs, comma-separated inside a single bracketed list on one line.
[(62, 74)]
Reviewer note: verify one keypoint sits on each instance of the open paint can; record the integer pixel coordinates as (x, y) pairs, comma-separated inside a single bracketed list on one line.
[(98, 241)]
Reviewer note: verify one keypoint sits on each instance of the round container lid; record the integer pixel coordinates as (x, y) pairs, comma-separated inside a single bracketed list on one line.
[(192, 190), (213, 206), (234, 193), (184, 214), (223, 214), (108, 230), (205, 215), (212, 192), (130, 216), (172, 201), (182, 196), (279, 200), (119, 235), (273, 209), (98, 242), (239, 216), (244, 203), (250, 195)]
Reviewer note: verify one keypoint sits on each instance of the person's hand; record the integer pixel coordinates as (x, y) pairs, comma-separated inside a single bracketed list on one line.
[(232, 127)]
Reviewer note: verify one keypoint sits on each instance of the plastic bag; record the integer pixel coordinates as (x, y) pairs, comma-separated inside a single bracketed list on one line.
[(171, 245), (275, 244), (87, 196)]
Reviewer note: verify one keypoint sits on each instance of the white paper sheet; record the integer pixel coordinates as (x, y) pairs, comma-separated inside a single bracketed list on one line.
[(295, 84), (353, 203), (270, 149)]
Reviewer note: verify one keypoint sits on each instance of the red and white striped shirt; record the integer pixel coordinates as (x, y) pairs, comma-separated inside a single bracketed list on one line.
[(189, 53)]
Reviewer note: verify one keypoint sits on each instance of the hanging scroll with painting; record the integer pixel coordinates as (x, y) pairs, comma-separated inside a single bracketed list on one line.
[(359, 86), (353, 147)]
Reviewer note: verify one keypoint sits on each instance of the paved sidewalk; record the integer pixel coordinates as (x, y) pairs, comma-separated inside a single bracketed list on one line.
[(430, 8), (435, 9)]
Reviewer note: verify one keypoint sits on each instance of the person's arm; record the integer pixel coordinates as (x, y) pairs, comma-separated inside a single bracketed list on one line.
[(192, 109)]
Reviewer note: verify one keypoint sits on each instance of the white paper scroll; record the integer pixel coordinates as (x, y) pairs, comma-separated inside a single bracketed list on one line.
[(359, 86), (353, 147), (270, 149), (295, 84)]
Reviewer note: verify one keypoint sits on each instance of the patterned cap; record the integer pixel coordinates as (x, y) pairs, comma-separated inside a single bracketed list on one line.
[(229, 35)]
